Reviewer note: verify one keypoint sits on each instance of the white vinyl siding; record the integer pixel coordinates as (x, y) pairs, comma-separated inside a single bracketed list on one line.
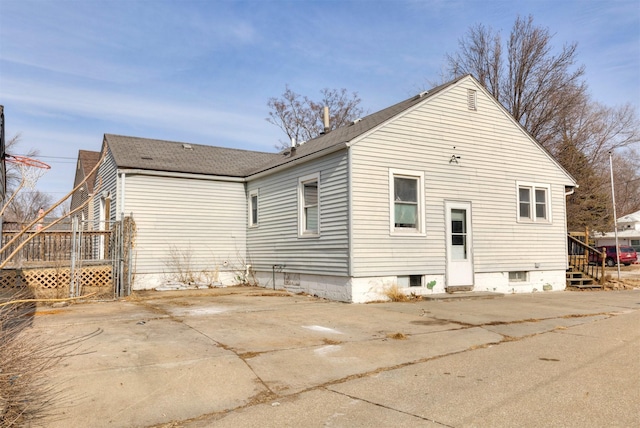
[(494, 154), (277, 241), (106, 184), (203, 220)]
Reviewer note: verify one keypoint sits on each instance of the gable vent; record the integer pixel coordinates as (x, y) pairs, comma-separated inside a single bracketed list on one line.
[(471, 99)]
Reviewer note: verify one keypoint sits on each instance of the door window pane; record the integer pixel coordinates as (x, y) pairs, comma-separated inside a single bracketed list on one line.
[(458, 234)]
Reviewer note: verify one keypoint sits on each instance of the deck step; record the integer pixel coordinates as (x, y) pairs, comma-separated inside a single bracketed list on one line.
[(577, 279)]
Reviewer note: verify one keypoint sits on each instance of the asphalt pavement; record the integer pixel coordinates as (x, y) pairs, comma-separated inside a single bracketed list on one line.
[(250, 357)]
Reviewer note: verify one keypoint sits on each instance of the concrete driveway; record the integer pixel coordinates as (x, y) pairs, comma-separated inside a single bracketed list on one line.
[(244, 357)]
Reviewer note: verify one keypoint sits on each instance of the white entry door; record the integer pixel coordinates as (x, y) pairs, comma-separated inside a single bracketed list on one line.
[(459, 244)]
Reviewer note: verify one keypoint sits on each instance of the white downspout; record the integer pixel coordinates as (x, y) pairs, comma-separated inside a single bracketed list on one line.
[(350, 215)]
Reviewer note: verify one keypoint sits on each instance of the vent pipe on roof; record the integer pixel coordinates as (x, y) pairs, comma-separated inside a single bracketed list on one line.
[(325, 119), (294, 145)]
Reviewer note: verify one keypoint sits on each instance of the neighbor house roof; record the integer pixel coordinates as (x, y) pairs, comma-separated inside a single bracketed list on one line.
[(160, 155), (630, 218), (88, 160)]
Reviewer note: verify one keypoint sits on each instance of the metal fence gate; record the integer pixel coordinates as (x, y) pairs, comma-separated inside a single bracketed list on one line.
[(113, 250)]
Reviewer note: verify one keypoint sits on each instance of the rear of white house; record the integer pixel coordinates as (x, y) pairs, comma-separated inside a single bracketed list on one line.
[(441, 192)]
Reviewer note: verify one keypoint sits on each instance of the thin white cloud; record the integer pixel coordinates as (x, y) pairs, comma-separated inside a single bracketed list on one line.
[(214, 122)]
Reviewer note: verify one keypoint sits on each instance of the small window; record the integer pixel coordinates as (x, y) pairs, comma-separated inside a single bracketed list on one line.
[(407, 201), (471, 99), (518, 276), (415, 280), (253, 208), (309, 209), (533, 203), (409, 281)]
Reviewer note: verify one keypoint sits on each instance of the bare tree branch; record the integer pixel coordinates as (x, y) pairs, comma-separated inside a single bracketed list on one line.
[(301, 118)]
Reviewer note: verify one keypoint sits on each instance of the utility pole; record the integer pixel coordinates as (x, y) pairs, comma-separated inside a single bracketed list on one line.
[(3, 168), (615, 215)]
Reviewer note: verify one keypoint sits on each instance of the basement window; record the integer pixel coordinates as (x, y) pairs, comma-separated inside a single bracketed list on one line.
[(518, 276), (415, 280), (409, 281)]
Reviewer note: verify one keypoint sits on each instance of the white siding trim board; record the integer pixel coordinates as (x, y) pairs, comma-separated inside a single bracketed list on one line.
[(190, 176)]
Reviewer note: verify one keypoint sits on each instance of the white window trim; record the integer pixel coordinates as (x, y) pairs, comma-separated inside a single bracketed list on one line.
[(532, 210), (250, 204), (301, 181), (421, 229)]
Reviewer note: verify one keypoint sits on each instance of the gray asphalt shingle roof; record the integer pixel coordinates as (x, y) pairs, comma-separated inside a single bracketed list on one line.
[(88, 160), (160, 155)]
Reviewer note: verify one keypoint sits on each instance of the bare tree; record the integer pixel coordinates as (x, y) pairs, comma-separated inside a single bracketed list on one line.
[(26, 205), (627, 181), (546, 93), (13, 172), (583, 138), (301, 118), (532, 83)]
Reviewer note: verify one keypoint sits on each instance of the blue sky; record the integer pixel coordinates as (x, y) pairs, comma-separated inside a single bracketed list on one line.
[(202, 71)]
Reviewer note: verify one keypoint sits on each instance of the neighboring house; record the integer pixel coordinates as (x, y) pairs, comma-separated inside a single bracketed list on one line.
[(87, 160), (628, 232), (444, 191)]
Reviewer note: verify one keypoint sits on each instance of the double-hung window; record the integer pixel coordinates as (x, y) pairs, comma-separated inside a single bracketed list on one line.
[(309, 205), (253, 208), (406, 201), (533, 202)]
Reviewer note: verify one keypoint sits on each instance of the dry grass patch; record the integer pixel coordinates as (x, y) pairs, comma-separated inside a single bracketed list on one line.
[(397, 336), (395, 294), (26, 359)]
